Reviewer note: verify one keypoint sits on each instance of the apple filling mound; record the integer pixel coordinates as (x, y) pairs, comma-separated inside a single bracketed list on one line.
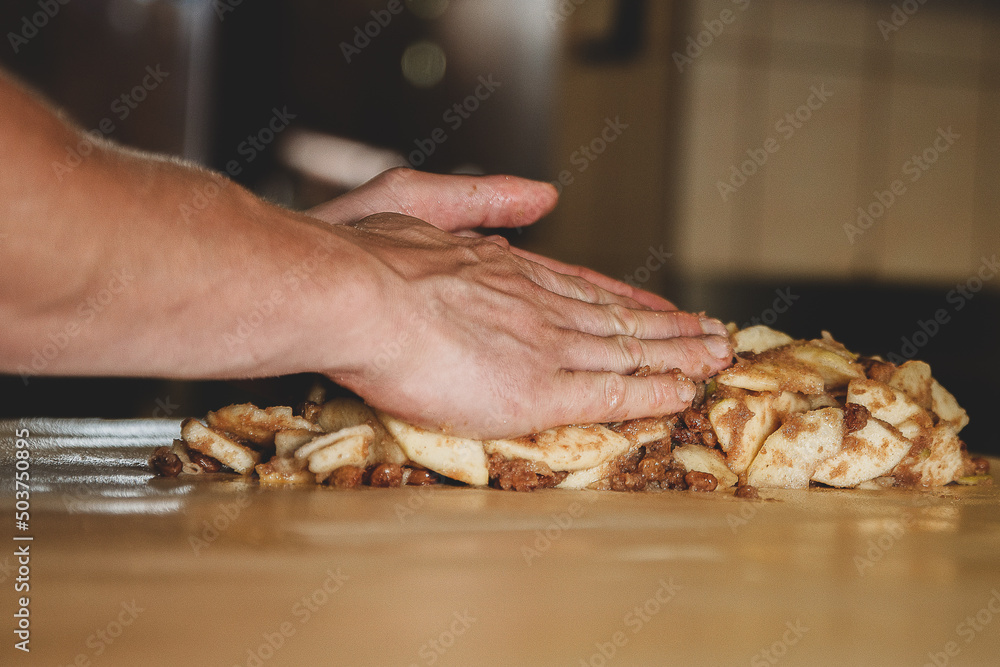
[(788, 414)]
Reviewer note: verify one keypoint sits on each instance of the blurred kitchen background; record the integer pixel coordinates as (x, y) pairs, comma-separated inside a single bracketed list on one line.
[(802, 163)]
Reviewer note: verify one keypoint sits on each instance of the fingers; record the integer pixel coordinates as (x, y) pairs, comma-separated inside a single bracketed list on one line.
[(590, 397), (615, 319), (647, 299), (451, 203), (621, 315), (576, 288), (698, 358)]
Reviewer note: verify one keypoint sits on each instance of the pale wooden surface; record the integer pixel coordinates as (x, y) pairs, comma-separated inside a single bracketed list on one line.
[(741, 570)]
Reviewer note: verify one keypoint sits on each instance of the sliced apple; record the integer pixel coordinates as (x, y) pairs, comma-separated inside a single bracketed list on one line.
[(913, 428), (581, 479), (914, 379), (286, 442), (284, 471), (827, 342), (883, 402), (867, 453), (199, 437), (702, 459), (935, 459), (346, 447), (643, 431), (248, 422), (458, 458), (789, 402), (833, 367), (759, 338), (741, 425), (564, 448), (790, 455), (340, 413), (947, 408), (771, 376)]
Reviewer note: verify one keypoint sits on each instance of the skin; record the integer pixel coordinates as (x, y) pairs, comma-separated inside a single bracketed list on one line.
[(116, 266)]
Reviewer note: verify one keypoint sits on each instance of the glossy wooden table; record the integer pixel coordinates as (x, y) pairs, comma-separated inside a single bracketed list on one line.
[(128, 570)]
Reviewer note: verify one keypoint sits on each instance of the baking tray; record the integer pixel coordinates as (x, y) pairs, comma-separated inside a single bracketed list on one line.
[(127, 569)]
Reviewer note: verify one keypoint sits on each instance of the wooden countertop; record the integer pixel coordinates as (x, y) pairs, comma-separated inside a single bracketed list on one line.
[(128, 570)]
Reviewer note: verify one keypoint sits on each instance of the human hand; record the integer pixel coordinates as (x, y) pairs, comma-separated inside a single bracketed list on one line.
[(458, 204), (461, 334)]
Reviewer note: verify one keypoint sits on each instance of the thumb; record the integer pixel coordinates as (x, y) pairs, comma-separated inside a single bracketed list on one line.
[(450, 203)]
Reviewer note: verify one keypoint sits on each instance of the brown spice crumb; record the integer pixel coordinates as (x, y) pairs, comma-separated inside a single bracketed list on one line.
[(628, 481), (674, 478), (165, 463), (683, 436), (696, 420), (521, 474), (701, 481), (310, 411), (347, 477), (880, 371)]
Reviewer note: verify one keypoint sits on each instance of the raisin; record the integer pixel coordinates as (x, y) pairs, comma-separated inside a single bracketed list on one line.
[(855, 417), (204, 461), (165, 463), (421, 477), (701, 481), (386, 475)]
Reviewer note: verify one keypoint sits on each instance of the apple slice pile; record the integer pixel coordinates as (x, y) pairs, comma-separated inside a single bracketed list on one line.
[(788, 413), (791, 412)]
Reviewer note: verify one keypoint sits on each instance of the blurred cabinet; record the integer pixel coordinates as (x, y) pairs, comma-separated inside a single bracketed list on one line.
[(610, 144), (892, 177)]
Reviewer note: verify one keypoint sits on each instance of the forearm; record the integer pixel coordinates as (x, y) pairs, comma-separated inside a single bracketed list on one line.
[(107, 264)]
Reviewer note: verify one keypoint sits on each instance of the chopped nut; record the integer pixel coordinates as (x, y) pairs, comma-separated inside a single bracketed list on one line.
[(346, 477)]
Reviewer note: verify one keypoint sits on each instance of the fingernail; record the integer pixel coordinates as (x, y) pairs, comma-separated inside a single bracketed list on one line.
[(719, 347), (713, 326), (685, 391)]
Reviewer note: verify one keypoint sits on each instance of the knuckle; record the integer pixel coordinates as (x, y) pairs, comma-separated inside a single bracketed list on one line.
[(397, 174), (624, 320), (487, 250), (615, 396), (499, 240), (632, 352), (587, 290), (663, 394)]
